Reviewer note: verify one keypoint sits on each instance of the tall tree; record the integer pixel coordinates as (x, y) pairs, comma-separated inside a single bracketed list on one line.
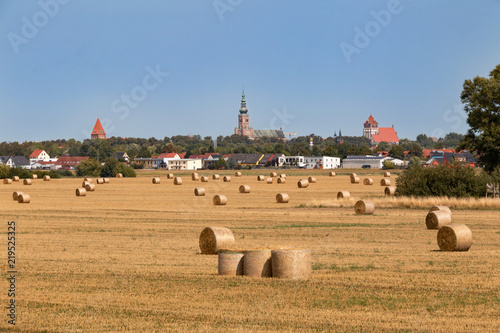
[(481, 99)]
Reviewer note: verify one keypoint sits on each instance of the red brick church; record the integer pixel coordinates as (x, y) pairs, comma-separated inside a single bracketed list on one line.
[(98, 131), (377, 134)]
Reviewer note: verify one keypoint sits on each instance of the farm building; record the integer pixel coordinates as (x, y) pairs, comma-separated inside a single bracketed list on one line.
[(256, 159), (291, 161), (368, 161), (322, 162), (69, 162)]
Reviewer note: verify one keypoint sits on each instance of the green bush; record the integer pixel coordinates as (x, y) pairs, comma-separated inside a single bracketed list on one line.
[(88, 167), (113, 166), (454, 180), (388, 165), (4, 171), (21, 173)]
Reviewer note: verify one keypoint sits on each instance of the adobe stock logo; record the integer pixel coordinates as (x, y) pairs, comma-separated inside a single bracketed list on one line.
[(30, 28), (222, 6), (373, 28)]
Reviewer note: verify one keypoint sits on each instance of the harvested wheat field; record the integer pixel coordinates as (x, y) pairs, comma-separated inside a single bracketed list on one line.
[(126, 258)]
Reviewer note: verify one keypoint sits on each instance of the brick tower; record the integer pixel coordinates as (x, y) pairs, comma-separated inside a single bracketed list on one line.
[(243, 119), (98, 131)]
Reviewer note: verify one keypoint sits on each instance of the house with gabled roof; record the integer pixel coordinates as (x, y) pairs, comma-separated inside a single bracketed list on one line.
[(39, 154), (15, 161), (69, 162), (122, 155)]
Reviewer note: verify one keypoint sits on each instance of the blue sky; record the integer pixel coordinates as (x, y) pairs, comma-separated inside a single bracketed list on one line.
[(164, 68)]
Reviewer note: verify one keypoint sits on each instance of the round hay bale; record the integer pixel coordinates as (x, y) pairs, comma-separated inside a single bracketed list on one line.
[(27, 182), (230, 263), (16, 194), (390, 190), (291, 264), (34, 176), (81, 192), (282, 198), (352, 175), (385, 182), (261, 178), (119, 175), (368, 181), (312, 179), (227, 179), (215, 177), (46, 178), (212, 239), (332, 174), (303, 183), (15, 178), (456, 237), (343, 195), (100, 180), (195, 176), (170, 176), (445, 208), (156, 180), (437, 219), (269, 180), (177, 181), (364, 207), (237, 174), (84, 183), (23, 198), (355, 180), (244, 189), (220, 200), (283, 175), (204, 179), (257, 263), (387, 174), (199, 192), (87, 180), (7, 181), (273, 174), (90, 187), (281, 180), (106, 180)]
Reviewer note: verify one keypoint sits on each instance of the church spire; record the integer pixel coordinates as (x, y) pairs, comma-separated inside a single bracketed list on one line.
[(243, 108)]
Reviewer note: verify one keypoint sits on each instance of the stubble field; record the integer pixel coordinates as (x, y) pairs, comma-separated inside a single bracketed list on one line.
[(126, 258)]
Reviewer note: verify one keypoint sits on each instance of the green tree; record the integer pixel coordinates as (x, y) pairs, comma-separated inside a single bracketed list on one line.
[(481, 99), (397, 151), (383, 146), (88, 167)]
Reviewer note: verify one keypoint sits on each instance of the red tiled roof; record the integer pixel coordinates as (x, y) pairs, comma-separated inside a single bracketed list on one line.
[(182, 155), (70, 160), (371, 120), (167, 155), (98, 129), (36, 153), (387, 134)]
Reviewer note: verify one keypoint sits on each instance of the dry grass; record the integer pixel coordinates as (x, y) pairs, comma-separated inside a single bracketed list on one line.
[(125, 259)]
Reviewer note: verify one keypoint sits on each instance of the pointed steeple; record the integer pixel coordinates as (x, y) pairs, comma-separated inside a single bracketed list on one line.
[(98, 131), (243, 108)]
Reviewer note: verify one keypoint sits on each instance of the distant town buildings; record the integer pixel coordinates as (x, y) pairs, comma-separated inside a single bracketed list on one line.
[(377, 134)]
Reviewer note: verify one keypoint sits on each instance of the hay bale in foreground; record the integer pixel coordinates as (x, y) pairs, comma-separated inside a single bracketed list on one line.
[(456, 237), (282, 198), (364, 207), (90, 187), (156, 180), (269, 180), (220, 200), (212, 239), (244, 189), (257, 263), (204, 179), (46, 178), (34, 176), (230, 263), (215, 177), (81, 192), (368, 181), (199, 192), (355, 180), (385, 182), (84, 183), (27, 182), (261, 178), (390, 190), (106, 180), (444, 208), (352, 175), (86, 179), (281, 180), (16, 194), (437, 219), (273, 174), (7, 181), (15, 178), (195, 177), (99, 180), (291, 264), (119, 175), (177, 181), (312, 180), (227, 179), (237, 174), (170, 176), (332, 174), (343, 195), (23, 198), (303, 183), (387, 174)]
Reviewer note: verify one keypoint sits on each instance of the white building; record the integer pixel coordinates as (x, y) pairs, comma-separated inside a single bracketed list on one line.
[(291, 161), (185, 164), (321, 162), (368, 161)]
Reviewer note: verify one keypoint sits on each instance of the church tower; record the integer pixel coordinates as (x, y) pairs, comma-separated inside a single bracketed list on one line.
[(243, 119), (370, 127), (98, 131)]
